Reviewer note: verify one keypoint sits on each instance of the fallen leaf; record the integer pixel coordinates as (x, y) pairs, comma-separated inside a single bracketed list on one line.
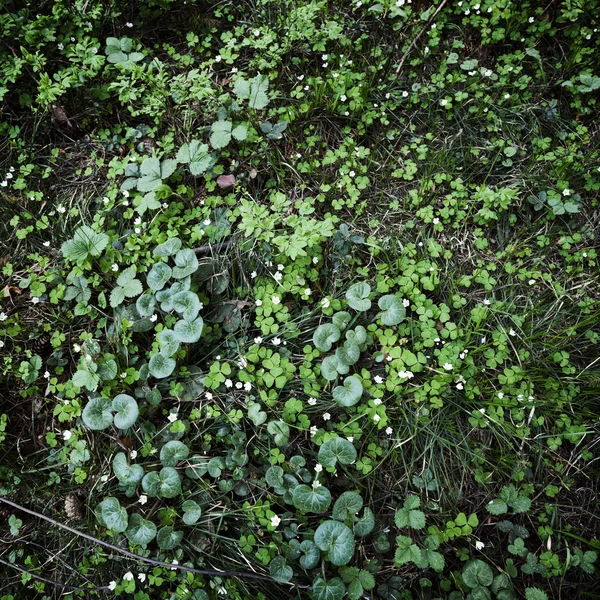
[(226, 181)]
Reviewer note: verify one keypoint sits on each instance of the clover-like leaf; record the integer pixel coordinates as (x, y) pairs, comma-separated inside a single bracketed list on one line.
[(357, 296), (189, 332), (337, 450), (309, 499), (126, 411), (280, 570), (337, 540), (112, 515), (140, 531), (158, 276), (164, 484), (97, 413), (145, 305), (349, 393), (168, 248), (126, 473), (172, 452), (346, 506), (161, 366), (325, 335), (169, 342), (168, 538), (191, 512), (186, 263), (394, 311), (187, 304)]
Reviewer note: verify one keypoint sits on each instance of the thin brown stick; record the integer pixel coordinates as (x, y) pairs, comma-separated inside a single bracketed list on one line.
[(412, 44), (160, 563)]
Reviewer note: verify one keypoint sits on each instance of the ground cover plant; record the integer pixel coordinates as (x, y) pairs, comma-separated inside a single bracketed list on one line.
[(299, 297)]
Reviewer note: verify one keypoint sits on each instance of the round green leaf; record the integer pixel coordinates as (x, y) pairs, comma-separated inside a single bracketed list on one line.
[(341, 319), (310, 555), (357, 336), (325, 335), (158, 276), (145, 305), (172, 452), (332, 589), (346, 506), (161, 366), (349, 393), (348, 354), (126, 473), (168, 538), (476, 572), (187, 305), (329, 368), (189, 332), (393, 310), (126, 411), (186, 263), (169, 342), (357, 296), (164, 484), (280, 432), (337, 450), (140, 531), (274, 477), (112, 515), (197, 467), (191, 512), (168, 248), (365, 524), (280, 570), (337, 540), (97, 413), (309, 499)]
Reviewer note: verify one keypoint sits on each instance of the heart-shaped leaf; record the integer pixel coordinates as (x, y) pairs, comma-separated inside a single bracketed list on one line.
[(159, 274), (255, 414), (337, 450), (187, 304), (164, 484), (140, 531), (325, 335), (126, 473), (329, 368), (357, 296), (280, 570), (168, 538), (341, 319), (172, 452), (332, 589), (349, 393), (393, 310), (309, 499), (197, 467), (221, 134), (126, 411), (337, 540), (280, 432), (365, 524), (186, 263), (168, 248), (161, 366), (310, 555), (169, 342), (112, 515), (97, 414), (189, 332), (191, 512), (145, 305), (346, 506), (348, 354)]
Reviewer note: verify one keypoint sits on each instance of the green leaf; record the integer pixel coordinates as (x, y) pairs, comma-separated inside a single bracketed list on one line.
[(469, 65), (346, 506), (535, 594), (337, 540), (279, 570), (365, 524), (168, 538), (476, 572), (332, 589), (130, 285), (191, 512), (341, 319), (280, 432), (274, 477), (169, 343), (349, 393), (126, 411), (189, 332), (158, 276), (140, 531), (309, 499), (221, 134), (215, 466), (153, 172), (196, 155), (15, 525), (394, 310), (311, 555), (145, 305), (187, 305), (161, 366), (164, 484), (240, 133), (258, 92), (436, 560), (168, 248), (497, 507), (97, 414), (186, 263), (172, 452), (241, 88), (126, 473), (197, 467), (406, 551), (85, 379), (325, 335), (86, 242), (348, 354), (357, 296), (329, 368), (521, 504), (337, 450), (255, 414), (112, 515)]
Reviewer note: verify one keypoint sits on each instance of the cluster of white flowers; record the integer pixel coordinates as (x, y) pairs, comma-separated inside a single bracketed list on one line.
[(406, 374)]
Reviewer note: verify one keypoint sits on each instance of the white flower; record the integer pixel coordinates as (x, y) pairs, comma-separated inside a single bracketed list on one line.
[(406, 303), (123, 375), (153, 318), (500, 395), (238, 385), (275, 521), (318, 467), (112, 585), (253, 274), (448, 366), (206, 221), (137, 230), (228, 383), (46, 373), (326, 417), (115, 267), (276, 341), (350, 439), (459, 386), (531, 282), (128, 576), (376, 418), (47, 244), (479, 545), (104, 478), (313, 431), (61, 209), (276, 300), (277, 276), (130, 25), (62, 47), (208, 396), (258, 302), (378, 379), (172, 417), (389, 430), (258, 340), (247, 386), (280, 267), (133, 454), (88, 358), (308, 291), (35, 300), (435, 221), (352, 173), (4, 183), (325, 303), (142, 577), (2, 346), (66, 434), (316, 258), (531, 19), (76, 347), (343, 98), (312, 401), (175, 562), (443, 102), (512, 332)]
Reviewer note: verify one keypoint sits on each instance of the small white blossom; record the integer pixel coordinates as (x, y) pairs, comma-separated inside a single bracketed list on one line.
[(276, 341), (376, 418), (128, 576), (316, 484), (61, 209), (253, 274), (313, 431), (142, 577), (448, 366), (35, 300), (459, 386), (115, 267), (112, 585), (62, 47), (316, 258), (479, 545), (228, 383), (76, 347), (130, 25), (312, 401), (66, 435), (247, 386), (153, 318), (46, 373), (389, 430), (512, 332), (238, 385), (276, 300), (318, 467), (275, 521), (277, 276), (325, 303), (326, 416), (531, 282), (172, 417), (208, 396), (133, 454), (406, 303), (258, 302), (258, 340), (378, 379)]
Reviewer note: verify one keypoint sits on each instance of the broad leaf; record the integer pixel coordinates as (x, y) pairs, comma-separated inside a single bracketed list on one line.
[(145, 305), (86, 242), (164, 484), (172, 452), (126, 411), (161, 366), (191, 512), (280, 570), (187, 305), (394, 311), (332, 589), (280, 432), (309, 499), (357, 296), (168, 248), (325, 335), (97, 414), (476, 572), (186, 263), (196, 155), (169, 343), (158, 276), (346, 506), (126, 473), (258, 92), (337, 540), (140, 531), (221, 134), (112, 515), (168, 538), (337, 450), (311, 555), (189, 332), (349, 393)]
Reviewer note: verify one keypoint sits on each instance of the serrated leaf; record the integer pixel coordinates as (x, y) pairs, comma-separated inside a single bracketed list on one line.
[(497, 507), (241, 87), (258, 98), (240, 133), (221, 134), (86, 379), (86, 242), (197, 156)]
